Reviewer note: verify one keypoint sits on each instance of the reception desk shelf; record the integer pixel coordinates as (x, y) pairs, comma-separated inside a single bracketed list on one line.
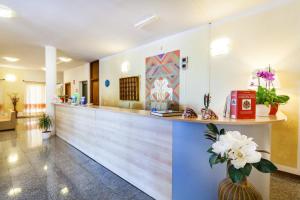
[(280, 117)]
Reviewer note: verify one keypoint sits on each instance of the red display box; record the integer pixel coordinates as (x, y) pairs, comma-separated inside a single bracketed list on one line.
[(243, 104)]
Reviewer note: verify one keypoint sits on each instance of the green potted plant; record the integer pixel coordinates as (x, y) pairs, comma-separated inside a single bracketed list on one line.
[(45, 124), (241, 155), (266, 98), (269, 101)]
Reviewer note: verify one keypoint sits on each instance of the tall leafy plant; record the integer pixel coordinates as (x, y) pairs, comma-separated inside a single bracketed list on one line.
[(238, 151), (45, 123)]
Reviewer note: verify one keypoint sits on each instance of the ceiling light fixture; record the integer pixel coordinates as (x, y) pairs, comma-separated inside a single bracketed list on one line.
[(10, 59), (6, 12), (64, 59), (146, 21)]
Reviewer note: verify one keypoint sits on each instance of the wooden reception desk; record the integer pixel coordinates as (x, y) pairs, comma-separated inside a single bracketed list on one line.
[(164, 157)]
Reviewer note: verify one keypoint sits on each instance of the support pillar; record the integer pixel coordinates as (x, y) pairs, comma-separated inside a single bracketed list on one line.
[(50, 65)]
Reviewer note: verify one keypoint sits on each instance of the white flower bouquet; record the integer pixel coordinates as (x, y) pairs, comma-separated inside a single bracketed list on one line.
[(239, 151)]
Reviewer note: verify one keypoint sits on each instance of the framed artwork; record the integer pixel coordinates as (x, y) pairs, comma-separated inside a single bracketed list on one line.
[(162, 81)]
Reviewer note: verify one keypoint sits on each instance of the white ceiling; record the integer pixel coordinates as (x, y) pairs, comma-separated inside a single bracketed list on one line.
[(87, 30)]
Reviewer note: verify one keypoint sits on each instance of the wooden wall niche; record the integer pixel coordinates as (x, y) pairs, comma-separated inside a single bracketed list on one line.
[(94, 80), (129, 88)]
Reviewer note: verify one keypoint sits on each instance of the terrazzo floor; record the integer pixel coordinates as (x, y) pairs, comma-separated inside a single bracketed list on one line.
[(33, 169)]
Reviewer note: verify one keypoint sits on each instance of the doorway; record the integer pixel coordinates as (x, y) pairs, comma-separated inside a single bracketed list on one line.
[(84, 89), (67, 90), (94, 78)]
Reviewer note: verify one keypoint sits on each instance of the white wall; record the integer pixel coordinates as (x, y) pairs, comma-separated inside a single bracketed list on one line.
[(76, 75), (259, 39), (193, 81), (266, 35)]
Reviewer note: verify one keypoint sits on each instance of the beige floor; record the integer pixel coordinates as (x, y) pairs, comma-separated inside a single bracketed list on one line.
[(285, 187)]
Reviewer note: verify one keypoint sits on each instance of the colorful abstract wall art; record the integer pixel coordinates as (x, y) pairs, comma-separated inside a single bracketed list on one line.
[(162, 81)]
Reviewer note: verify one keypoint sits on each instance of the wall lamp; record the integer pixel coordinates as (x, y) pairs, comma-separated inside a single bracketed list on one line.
[(220, 46), (9, 78), (125, 67)]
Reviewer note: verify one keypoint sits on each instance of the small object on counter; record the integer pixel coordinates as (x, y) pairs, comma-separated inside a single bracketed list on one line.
[(226, 112), (189, 113), (243, 104), (206, 101), (166, 113), (153, 109), (208, 114), (83, 101), (73, 100)]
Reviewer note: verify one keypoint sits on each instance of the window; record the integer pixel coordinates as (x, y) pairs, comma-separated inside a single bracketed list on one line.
[(35, 99)]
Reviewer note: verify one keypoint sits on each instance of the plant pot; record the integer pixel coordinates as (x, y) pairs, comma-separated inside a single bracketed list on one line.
[(243, 190), (262, 110), (274, 109), (46, 135)]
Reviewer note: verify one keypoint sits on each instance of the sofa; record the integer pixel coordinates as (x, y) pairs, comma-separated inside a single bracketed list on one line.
[(8, 122)]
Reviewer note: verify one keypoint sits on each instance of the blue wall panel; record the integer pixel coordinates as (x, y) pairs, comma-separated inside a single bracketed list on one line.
[(193, 179)]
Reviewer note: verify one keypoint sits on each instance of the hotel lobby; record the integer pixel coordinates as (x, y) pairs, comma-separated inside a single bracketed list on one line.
[(141, 100)]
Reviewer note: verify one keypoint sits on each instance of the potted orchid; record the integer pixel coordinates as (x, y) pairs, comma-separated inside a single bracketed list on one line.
[(266, 98), (241, 155)]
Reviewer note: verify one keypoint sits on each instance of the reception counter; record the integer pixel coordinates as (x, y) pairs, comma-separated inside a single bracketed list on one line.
[(164, 157)]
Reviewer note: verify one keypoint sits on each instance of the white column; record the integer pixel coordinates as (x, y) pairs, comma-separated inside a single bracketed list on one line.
[(50, 64)]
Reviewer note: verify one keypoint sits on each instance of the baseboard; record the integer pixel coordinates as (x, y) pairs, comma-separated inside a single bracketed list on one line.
[(290, 170)]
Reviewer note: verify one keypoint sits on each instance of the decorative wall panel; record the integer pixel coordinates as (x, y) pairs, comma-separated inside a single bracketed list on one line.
[(162, 81)]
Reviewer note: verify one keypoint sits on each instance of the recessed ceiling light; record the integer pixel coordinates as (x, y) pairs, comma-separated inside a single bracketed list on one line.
[(146, 21), (64, 191), (64, 59), (6, 12), (10, 59), (14, 191)]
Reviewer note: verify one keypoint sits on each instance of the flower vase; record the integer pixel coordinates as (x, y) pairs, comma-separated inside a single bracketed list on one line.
[(274, 109), (262, 110), (243, 190)]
